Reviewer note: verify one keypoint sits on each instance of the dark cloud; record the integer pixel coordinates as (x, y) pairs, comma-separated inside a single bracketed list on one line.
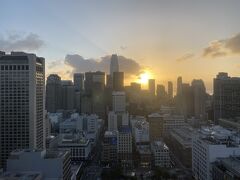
[(17, 42), (185, 57), (80, 64), (225, 47)]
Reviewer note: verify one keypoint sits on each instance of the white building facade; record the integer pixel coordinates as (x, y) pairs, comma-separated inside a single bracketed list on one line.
[(208, 144), (22, 103)]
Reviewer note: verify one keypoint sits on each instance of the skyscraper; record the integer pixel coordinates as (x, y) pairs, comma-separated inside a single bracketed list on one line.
[(226, 96), (170, 89), (78, 79), (68, 93), (155, 126), (22, 119), (179, 85), (119, 101), (94, 81), (151, 86), (53, 93), (162, 94), (114, 67), (186, 100), (118, 81), (88, 82), (199, 98)]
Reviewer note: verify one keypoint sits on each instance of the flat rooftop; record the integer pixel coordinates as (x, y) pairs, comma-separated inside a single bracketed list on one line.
[(231, 163), (21, 176), (159, 145)]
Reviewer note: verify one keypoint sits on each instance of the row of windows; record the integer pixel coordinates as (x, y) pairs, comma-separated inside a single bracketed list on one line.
[(14, 67)]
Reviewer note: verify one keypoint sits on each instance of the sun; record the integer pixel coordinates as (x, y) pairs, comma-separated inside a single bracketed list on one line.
[(144, 77)]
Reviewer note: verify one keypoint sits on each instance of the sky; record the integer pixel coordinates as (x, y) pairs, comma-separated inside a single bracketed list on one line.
[(171, 38)]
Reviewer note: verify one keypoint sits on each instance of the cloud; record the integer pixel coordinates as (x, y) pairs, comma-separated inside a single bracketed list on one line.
[(17, 42), (54, 64), (185, 57), (80, 64), (224, 47), (123, 48)]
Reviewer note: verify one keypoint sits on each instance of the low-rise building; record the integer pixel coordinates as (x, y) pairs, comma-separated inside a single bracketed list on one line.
[(78, 145), (48, 164)]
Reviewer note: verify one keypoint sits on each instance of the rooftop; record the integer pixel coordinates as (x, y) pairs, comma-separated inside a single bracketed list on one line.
[(41, 153), (219, 135), (155, 115), (118, 93), (110, 133), (73, 139), (21, 176), (231, 163), (183, 135), (125, 129), (159, 145)]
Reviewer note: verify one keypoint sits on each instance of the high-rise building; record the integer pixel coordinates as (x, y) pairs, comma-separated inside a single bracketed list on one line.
[(53, 93), (199, 98), (118, 81), (114, 67), (170, 89), (179, 85), (119, 101), (155, 126), (98, 101), (172, 121), (161, 92), (109, 81), (116, 120), (186, 100), (135, 87), (180, 143), (112, 121), (226, 168), (78, 79), (98, 80), (208, 144), (68, 95), (151, 86), (88, 82), (94, 93), (22, 103), (124, 146), (140, 130), (226, 96), (109, 152), (161, 155)]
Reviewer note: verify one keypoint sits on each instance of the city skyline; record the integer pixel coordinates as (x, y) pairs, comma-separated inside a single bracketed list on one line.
[(159, 36)]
